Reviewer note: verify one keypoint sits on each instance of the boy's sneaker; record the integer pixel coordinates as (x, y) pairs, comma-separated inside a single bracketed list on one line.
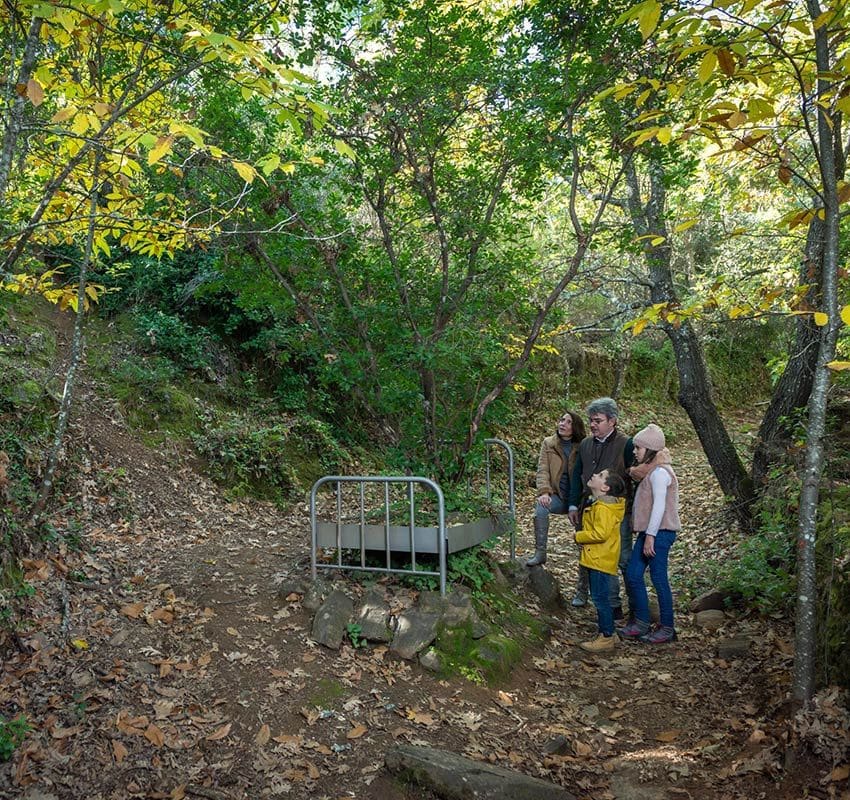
[(601, 644), (661, 635), (634, 631)]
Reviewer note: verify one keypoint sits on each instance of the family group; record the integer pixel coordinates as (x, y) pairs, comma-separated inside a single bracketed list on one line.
[(622, 496)]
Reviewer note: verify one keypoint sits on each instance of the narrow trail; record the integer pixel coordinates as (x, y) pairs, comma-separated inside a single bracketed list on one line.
[(177, 668)]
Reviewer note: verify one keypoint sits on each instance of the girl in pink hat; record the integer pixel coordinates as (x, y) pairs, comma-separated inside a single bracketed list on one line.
[(655, 520)]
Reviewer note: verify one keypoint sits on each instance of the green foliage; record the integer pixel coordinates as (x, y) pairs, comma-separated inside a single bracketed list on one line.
[(763, 570), (469, 567), (172, 336), (353, 630), (833, 574), (272, 458), (12, 735)]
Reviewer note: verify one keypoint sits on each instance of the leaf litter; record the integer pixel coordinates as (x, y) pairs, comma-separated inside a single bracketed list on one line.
[(177, 671)]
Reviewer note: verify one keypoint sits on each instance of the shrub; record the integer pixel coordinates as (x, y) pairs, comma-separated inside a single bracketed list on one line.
[(12, 734), (169, 334)]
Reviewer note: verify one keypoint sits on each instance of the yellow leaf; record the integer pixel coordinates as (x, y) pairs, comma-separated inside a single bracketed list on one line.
[(822, 19), (839, 366), (80, 644), (648, 16), (356, 732), (683, 226), (657, 240), (664, 135), (160, 149), (246, 171), (706, 67), (344, 149), (845, 315), (638, 327), (821, 319)]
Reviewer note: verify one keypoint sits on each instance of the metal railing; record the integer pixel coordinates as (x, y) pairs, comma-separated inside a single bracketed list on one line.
[(362, 535), (362, 480)]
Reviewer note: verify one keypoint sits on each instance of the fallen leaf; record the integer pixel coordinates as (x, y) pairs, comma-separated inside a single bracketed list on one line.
[(840, 773), (419, 717), (292, 597), (617, 714), (233, 631), (80, 644), (64, 733), (220, 733), (132, 610), (263, 735), (155, 735), (119, 751), (356, 732), (178, 792), (504, 699), (581, 749), (313, 771), (163, 615), (667, 736)]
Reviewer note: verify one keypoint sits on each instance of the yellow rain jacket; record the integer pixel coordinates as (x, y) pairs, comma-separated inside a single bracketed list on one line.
[(600, 535)]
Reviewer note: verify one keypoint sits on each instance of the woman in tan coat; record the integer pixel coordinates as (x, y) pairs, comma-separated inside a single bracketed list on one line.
[(554, 470)]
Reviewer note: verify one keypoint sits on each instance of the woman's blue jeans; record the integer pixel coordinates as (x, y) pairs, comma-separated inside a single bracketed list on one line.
[(657, 573), (599, 592)]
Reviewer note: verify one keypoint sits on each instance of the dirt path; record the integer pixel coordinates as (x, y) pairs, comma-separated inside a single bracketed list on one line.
[(163, 663)]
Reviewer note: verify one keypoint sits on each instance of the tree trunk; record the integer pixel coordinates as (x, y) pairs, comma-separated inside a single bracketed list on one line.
[(695, 391), (805, 630), (75, 355), (16, 112)]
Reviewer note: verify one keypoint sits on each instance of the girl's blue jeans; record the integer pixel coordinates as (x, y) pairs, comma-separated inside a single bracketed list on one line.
[(600, 583), (657, 573)]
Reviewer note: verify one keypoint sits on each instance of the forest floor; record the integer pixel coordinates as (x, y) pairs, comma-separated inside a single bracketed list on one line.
[(163, 662)]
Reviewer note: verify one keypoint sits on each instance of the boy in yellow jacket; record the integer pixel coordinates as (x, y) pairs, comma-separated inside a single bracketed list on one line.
[(600, 551)]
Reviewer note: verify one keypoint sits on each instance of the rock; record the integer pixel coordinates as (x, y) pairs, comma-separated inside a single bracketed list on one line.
[(316, 594), (559, 746), (430, 661), (331, 620), (373, 617), (544, 585), (654, 612), (457, 778), (738, 647), (713, 600), (712, 619), (496, 655), (290, 586), (416, 629), (515, 571)]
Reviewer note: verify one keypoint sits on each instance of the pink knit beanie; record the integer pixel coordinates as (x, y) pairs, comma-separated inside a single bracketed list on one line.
[(651, 437)]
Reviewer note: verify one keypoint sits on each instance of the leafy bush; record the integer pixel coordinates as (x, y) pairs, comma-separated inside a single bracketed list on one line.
[(274, 460), (169, 334), (763, 572)]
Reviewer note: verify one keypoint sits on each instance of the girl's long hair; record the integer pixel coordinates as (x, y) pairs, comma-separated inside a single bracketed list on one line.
[(648, 456)]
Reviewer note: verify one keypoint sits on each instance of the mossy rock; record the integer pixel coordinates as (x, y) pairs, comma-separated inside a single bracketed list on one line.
[(496, 655), (22, 395)]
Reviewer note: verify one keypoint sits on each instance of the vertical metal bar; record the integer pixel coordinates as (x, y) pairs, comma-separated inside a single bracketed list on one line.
[(362, 523), (441, 534), (487, 462), (511, 502), (387, 522), (313, 532), (339, 523), (412, 524)]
